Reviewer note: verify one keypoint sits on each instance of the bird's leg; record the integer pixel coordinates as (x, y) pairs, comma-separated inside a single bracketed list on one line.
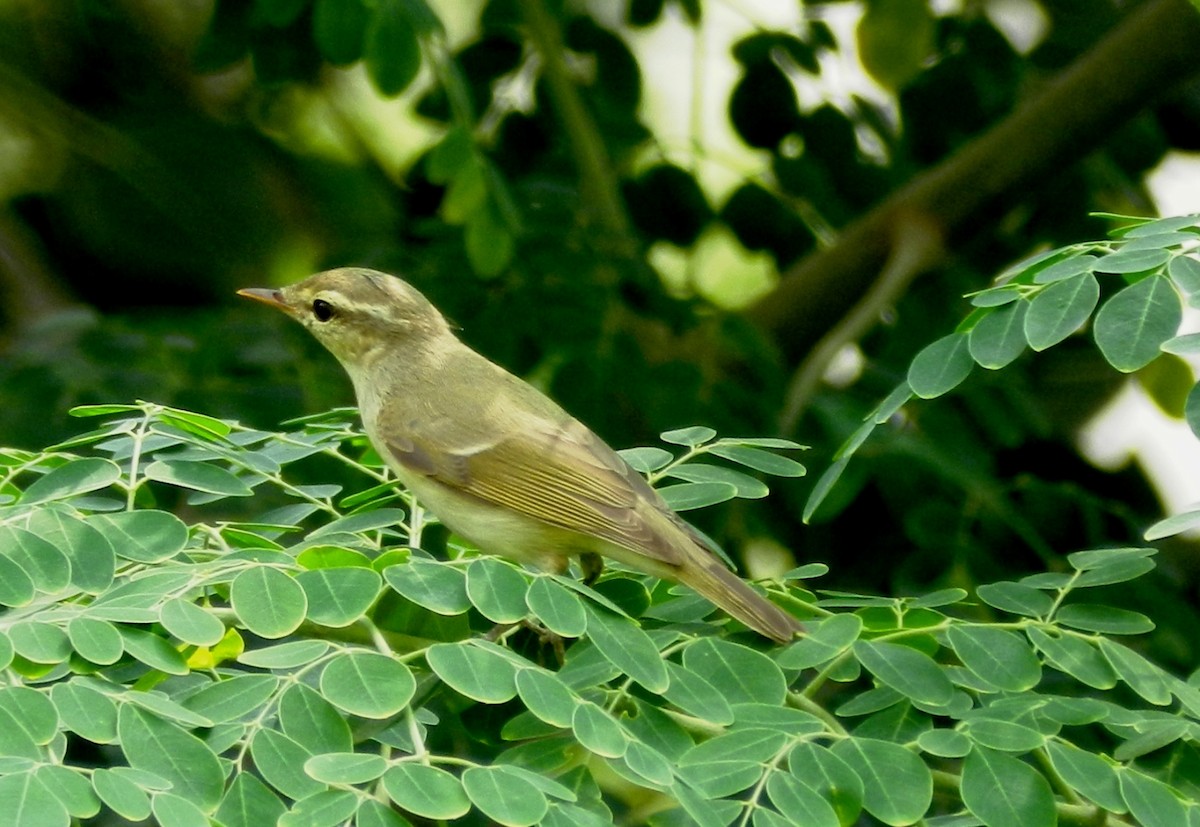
[(592, 565)]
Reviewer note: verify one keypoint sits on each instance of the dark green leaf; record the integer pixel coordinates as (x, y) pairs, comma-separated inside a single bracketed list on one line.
[(695, 695), (1133, 261), (280, 760), (392, 53), (746, 486), (504, 796), (233, 697), (47, 567), (799, 803), (559, 609), (346, 767), (312, 721), (90, 553), (546, 696), (691, 495), (1143, 677), (1151, 802), (646, 460), (1074, 656), (1016, 598), (758, 459), (497, 590), (143, 536), (1087, 773), (339, 29), (190, 623), (249, 803), (691, 437), (597, 731), (120, 794), (1104, 619)]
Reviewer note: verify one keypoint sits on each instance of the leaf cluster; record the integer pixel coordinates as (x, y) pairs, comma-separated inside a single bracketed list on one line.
[(316, 665)]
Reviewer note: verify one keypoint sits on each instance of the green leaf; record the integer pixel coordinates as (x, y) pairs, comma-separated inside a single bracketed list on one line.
[(120, 794), (897, 786), (368, 684), (560, 610), (86, 712), (941, 366), (1143, 677), (171, 810), (1065, 269), (312, 721), (489, 243), (799, 803), (233, 697), (1016, 598), (1076, 657), (152, 744), (249, 803), (627, 647), (268, 602), (1006, 736), (1151, 802), (1060, 309), (30, 711), (46, 566), (745, 485), (392, 53), (339, 30), (829, 776), (338, 597), (911, 673), (29, 803), (143, 536), (504, 796), (280, 760), (648, 764), (346, 767), (497, 590), (435, 586), (824, 642), (757, 458), (692, 495), (999, 337), (91, 555), (78, 476), (743, 675), (426, 791), (646, 460), (198, 476), (1133, 261), (1186, 345), (823, 486), (696, 696), (39, 642), (1120, 571), (1002, 658), (1104, 619), (285, 655), (546, 696), (1179, 523), (1088, 774), (372, 813), (71, 788), (691, 437), (474, 670), (944, 743), (1185, 272), (1132, 326), (190, 623), (16, 587), (597, 731), (1000, 790)]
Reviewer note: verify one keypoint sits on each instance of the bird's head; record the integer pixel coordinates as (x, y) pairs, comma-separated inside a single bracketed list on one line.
[(354, 312)]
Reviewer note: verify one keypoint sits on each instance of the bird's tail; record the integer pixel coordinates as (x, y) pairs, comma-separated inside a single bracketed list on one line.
[(728, 591)]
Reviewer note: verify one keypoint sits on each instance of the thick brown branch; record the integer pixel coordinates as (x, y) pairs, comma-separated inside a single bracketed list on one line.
[(1151, 51)]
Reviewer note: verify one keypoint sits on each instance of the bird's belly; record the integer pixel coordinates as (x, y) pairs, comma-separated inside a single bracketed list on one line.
[(496, 530)]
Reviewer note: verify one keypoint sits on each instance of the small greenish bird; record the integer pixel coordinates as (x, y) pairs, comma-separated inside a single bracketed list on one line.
[(492, 457)]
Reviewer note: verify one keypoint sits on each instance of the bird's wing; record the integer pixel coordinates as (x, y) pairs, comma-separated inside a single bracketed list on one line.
[(559, 473)]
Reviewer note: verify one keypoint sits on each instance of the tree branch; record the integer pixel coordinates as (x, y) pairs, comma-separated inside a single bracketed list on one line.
[(1151, 51)]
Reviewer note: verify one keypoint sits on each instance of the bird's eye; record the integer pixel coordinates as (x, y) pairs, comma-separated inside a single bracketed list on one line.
[(322, 309)]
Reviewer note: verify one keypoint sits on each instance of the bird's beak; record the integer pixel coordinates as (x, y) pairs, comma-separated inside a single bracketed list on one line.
[(266, 295)]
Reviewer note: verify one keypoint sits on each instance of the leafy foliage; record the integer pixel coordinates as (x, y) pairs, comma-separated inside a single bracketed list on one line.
[(316, 663)]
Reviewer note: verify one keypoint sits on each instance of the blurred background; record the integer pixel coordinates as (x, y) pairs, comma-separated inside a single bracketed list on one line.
[(748, 214)]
